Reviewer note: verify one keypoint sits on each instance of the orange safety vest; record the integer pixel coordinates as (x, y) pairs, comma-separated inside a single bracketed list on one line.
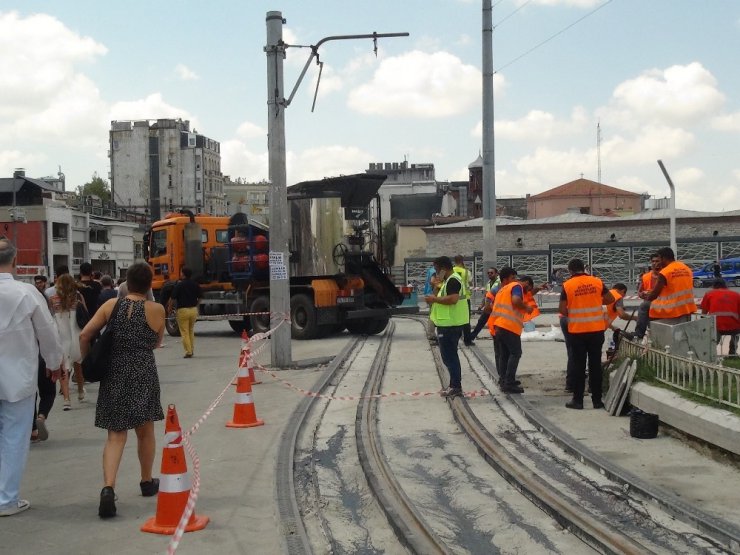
[(504, 314), (677, 296), (529, 301), (584, 301), (611, 309), (491, 296), (647, 281)]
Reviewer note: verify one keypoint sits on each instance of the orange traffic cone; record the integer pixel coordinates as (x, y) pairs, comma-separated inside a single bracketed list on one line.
[(174, 484), (245, 415), (243, 354), (247, 359)]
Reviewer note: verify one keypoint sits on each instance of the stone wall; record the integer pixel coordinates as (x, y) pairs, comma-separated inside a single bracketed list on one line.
[(461, 240)]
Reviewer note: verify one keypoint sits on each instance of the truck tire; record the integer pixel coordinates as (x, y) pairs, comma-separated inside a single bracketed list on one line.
[(303, 317), (698, 283), (239, 326), (260, 322), (171, 326)]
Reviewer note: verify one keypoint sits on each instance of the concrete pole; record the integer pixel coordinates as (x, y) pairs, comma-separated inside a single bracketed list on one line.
[(489, 167), (279, 217)]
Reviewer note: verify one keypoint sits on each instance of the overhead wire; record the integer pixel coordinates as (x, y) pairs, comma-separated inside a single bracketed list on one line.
[(512, 13), (560, 32)]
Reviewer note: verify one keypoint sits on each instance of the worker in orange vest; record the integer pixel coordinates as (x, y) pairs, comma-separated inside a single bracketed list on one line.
[(616, 310), (673, 295), (581, 302), (508, 320), (648, 280), (529, 292)]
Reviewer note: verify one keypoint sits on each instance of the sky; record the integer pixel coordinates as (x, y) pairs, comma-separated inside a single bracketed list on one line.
[(659, 77)]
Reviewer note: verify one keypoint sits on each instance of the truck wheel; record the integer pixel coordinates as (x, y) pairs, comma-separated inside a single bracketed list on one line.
[(303, 317), (260, 322), (698, 283), (367, 327), (171, 326), (239, 326)]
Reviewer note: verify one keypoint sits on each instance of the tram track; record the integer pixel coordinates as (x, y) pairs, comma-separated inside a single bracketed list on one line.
[(368, 491)]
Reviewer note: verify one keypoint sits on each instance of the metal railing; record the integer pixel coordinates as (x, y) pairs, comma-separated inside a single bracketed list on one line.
[(711, 381)]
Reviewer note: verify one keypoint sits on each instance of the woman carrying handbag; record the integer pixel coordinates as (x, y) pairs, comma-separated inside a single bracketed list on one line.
[(129, 393)]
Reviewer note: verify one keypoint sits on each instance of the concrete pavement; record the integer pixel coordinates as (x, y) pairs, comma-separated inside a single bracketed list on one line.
[(64, 476)]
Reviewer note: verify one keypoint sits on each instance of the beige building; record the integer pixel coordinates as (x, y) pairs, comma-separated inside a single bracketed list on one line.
[(584, 196)]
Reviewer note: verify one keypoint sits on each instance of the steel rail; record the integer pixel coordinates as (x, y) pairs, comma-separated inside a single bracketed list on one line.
[(577, 519), (293, 532), (720, 530), (410, 527)]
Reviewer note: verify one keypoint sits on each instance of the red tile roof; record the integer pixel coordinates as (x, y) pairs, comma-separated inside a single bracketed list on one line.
[(583, 188)]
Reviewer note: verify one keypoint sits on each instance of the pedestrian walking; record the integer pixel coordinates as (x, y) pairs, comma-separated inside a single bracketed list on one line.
[(581, 302), (725, 306), (46, 386), (107, 292), (64, 305), (89, 288), (467, 282), (186, 295), (717, 270), (673, 295), (26, 330), (129, 395), (431, 287), (450, 312), (508, 320), (648, 280)]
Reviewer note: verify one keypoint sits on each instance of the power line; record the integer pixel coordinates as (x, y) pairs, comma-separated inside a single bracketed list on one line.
[(552, 37), (512, 13)]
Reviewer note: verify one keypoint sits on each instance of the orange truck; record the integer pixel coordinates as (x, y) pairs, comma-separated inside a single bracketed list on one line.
[(336, 280)]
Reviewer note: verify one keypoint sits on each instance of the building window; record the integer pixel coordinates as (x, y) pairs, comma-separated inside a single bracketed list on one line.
[(159, 243), (78, 250), (98, 235), (197, 185), (585, 209), (59, 232), (169, 181)]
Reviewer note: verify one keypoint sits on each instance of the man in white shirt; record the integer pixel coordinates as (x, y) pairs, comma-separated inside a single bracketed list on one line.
[(26, 327)]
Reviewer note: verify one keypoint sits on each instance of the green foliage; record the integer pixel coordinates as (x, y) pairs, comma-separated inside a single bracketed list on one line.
[(96, 186), (390, 238)]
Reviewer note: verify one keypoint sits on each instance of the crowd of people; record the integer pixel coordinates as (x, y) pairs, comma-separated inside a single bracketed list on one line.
[(587, 310), (47, 329)]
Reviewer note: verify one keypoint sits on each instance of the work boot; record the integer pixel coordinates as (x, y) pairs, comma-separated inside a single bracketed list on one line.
[(573, 404)]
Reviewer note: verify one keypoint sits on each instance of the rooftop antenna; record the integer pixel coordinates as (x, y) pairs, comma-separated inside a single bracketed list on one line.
[(598, 150)]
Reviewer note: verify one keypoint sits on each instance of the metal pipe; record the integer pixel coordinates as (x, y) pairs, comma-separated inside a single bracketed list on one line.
[(489, 167)]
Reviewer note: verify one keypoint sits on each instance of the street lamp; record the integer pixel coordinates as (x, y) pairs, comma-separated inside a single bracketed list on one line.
[(673, 208)]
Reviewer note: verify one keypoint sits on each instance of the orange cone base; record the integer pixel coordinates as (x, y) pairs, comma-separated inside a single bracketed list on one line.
[(232, 424), (197, 522)]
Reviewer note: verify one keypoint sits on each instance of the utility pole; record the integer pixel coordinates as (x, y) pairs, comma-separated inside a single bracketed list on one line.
[(281, 353), (672, 216), (489, 166), (279, 216)]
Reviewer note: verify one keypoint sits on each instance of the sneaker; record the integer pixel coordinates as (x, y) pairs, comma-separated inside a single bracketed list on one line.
[(574, 405), (107, 508), (81, 395), (469, 343), (43, 432), (150, 488), (20, 506), (452, 392), (67, 405)]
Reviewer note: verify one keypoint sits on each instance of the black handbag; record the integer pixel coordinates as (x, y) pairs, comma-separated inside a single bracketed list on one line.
[(82, 315), (96, 364)]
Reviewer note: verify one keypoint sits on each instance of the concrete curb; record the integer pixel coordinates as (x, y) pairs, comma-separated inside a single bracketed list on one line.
[(715, 426)]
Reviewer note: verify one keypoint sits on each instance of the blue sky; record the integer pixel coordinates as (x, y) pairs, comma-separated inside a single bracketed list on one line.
[(659, 75)]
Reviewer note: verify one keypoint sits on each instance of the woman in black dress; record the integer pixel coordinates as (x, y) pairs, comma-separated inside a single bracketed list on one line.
[(128, 398)]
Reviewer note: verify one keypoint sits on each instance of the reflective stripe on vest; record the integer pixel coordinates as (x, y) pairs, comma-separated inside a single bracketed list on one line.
[(445, 315), (677, 296), (584, 301), (611, 309), (504, 314)]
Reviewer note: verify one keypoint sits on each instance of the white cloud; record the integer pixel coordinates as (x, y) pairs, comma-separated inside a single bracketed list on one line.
[(727, 122), (237, 160), (538, 125), (11, 159), (184, 73), (326, 161), (567, 3), (418, 84), (151, 107), (249, 130), (43, 94), (673, 96)]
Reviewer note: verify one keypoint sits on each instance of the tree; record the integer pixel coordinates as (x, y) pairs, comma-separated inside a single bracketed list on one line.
[(96, 186)]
